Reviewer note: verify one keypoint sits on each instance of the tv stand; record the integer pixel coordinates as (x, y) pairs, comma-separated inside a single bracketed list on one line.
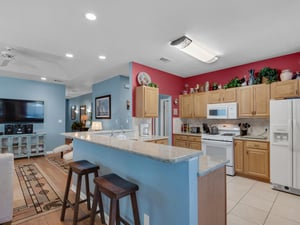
[(23, 145)]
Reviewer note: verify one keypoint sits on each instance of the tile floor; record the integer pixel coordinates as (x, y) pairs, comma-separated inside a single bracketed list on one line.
[(250, 202)]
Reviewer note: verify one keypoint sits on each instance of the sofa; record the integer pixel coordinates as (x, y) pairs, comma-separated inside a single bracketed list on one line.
[(6, 187)]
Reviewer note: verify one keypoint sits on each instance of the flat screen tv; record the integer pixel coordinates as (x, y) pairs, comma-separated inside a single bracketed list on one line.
[(21, 111)]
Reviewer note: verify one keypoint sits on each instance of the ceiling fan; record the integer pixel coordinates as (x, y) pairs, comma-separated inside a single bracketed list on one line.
[(7, 55)]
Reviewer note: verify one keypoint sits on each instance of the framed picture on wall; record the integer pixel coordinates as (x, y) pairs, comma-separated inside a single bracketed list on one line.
[(103, 107), (73, 112)]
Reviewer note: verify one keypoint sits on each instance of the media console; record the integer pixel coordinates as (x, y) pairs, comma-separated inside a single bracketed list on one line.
[(23, 145)]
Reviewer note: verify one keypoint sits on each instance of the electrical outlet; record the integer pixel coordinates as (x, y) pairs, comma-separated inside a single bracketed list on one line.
[(146, 219)]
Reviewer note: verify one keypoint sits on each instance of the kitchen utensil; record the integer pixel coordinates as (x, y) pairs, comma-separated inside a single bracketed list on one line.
[(205, 128), (214, 130)]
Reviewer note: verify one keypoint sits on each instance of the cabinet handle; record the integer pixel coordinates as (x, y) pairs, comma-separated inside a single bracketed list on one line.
[(296, 92), (256, 146), (247, 152)]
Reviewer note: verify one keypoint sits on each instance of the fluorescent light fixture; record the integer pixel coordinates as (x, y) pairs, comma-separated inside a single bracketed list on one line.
[(43, 78), (186, 45), (69, 55), (90, 16), (102, 57)]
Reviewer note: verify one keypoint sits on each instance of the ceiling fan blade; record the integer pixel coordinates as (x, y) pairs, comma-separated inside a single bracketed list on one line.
[(5, 62)]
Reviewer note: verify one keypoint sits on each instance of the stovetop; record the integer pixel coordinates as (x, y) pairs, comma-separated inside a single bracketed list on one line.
[(226, 133)]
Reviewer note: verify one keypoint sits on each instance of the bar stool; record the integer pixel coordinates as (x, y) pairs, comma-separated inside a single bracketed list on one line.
[(115, 188), (82, 167)]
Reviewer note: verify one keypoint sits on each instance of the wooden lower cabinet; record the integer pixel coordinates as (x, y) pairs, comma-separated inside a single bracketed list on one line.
[(252, 159), (212, 206), (187, 141), (163, 141)]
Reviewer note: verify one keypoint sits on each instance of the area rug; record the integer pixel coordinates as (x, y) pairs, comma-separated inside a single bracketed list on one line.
[(33, 194), (57, 161)]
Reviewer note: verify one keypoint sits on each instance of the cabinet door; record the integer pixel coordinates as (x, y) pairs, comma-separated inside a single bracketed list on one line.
[(200, 105), (229, 95), (238, 156), (194, 145), (186, 106), (245, 101), (285, 89), (215, 96), (151, 102), (261, 100), (256, 162)]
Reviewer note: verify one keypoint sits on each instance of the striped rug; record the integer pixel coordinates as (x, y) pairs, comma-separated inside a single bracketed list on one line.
[(33, 194)]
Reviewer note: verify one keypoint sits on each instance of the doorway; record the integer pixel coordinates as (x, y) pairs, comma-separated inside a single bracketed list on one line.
[(164, 123)]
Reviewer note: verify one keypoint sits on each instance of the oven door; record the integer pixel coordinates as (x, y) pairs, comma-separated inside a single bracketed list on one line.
[(220, 150)]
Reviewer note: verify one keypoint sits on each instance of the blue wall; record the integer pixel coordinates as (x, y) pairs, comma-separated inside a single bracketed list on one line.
[(120, 91), (53, 96), (167, 191), (78, 101)]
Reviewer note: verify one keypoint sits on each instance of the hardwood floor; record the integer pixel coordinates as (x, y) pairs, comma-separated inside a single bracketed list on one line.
[(58, 178)]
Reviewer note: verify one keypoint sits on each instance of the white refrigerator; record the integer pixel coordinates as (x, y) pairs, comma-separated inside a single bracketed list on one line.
[(285, 145)]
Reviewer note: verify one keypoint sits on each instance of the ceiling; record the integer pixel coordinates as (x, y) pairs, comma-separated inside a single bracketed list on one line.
[(42, 32)]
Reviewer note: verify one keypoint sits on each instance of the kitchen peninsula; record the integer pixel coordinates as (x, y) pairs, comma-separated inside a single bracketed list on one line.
[(173, 188)]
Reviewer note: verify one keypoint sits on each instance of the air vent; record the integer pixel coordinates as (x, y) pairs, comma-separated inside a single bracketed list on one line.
[(164, 60)]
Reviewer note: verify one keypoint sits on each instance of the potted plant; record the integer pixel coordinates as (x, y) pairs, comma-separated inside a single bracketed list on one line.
[(76, 126), (267, 75)]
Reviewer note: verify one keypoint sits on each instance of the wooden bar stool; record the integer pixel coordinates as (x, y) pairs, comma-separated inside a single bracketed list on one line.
[(115, 188), (82, 167)]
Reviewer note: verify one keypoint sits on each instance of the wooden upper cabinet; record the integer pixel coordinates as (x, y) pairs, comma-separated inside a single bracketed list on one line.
[(200, 105), (186, 105), (224, 95), (146, 101), (253, 101), (285, 89), (261, 100)]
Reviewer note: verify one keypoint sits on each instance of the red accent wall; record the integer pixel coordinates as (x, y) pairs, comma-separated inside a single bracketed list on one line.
[(169, 84), (291, 61)]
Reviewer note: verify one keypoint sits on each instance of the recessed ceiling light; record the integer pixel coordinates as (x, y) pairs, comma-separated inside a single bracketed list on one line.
[(69, 55), (43, 78), (90, 16), (102, 57)]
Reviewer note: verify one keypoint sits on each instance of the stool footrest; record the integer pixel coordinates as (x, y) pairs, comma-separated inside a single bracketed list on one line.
[(124, 221)]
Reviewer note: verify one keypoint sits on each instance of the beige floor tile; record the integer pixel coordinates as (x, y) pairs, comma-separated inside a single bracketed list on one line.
[(249, 213), (236, 191), (289, 211), (231, 204), (257, 202), (229, 178), (241, 181), (235, 220), (264, 191), (277, 220), (289, 199)]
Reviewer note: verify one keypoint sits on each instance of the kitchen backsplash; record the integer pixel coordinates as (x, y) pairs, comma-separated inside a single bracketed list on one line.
[(258, 125)]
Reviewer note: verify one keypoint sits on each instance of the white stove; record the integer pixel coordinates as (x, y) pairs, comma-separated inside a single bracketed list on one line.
[(220, 146)]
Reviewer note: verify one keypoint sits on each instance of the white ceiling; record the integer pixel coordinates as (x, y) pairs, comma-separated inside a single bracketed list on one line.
[(42, 31)]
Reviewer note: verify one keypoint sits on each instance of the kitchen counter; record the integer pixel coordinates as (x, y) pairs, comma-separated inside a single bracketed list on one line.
[(208, 165), (166, 176), (252, 138), (187, 133), (137, 145)]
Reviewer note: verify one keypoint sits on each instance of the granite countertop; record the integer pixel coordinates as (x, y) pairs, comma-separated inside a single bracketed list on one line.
[(252, 138), (130, 143), (207, 165), (187, 133)]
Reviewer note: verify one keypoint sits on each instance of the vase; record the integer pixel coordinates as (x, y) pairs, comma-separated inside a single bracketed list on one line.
[(251, 77), (286, 75)]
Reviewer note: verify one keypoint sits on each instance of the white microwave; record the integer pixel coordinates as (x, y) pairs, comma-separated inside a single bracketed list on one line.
[(222, 111)]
